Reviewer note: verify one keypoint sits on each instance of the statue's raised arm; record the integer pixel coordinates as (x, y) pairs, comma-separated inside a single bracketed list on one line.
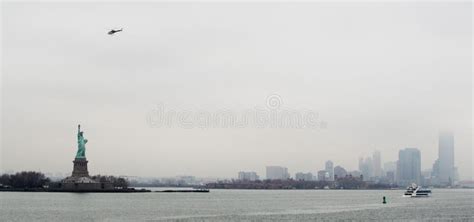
[(79, 134)]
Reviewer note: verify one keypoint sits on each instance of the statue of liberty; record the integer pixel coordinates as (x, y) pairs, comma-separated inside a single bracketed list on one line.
[(81, 143)]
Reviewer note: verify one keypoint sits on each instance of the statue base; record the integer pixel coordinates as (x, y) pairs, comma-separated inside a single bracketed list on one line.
[(80, 181), (80, 168)]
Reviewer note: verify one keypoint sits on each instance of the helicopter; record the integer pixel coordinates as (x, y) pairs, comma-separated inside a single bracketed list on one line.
[(113, 31)]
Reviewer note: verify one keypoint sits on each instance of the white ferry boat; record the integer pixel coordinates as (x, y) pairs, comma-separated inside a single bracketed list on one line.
[(417, 191)]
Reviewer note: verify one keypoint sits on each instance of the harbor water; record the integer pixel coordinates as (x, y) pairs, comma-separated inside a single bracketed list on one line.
[(239, 205)]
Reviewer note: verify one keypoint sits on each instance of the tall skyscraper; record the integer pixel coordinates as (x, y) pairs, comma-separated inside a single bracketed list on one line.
[(409, 166), (330, 169), (277, 173), (446, 158), (377, 161)]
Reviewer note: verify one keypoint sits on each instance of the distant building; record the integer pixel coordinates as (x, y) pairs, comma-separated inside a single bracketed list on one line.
[(409, 166), (390, 166), (366, 168), (435, 169), (277, 173), (361, 163), (466, 184), (186, 180), (456, 175), (323, 175), (339, 172), (446, 158), (329, 167), (435, 173), (354, 173), (304, 176), (377, 164), (248, 176), (426, 179), (390, 176), (390, 170)]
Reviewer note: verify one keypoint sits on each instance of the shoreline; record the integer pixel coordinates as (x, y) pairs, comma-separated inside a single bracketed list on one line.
[(130, 190)]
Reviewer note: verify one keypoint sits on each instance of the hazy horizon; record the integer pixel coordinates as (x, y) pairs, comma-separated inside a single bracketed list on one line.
[(379, 76)]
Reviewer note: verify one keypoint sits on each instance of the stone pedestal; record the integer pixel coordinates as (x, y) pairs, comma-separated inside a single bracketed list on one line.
[(80, 181), (80, 168)]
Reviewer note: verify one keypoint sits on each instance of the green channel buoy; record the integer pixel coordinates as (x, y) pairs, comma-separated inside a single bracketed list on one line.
[(384, 200)]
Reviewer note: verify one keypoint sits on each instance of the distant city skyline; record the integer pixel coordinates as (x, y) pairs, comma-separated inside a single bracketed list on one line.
[(404, 171)]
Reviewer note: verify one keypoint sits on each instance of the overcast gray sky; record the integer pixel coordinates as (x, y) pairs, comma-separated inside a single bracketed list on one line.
[(383, 76)]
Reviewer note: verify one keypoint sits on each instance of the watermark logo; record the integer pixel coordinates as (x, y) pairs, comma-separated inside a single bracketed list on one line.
[(273, 116), (274, 101)]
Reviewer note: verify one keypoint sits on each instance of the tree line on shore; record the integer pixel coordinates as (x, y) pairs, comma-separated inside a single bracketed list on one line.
[(24, 179), (118, 182), (347, 182), (35, 180)]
